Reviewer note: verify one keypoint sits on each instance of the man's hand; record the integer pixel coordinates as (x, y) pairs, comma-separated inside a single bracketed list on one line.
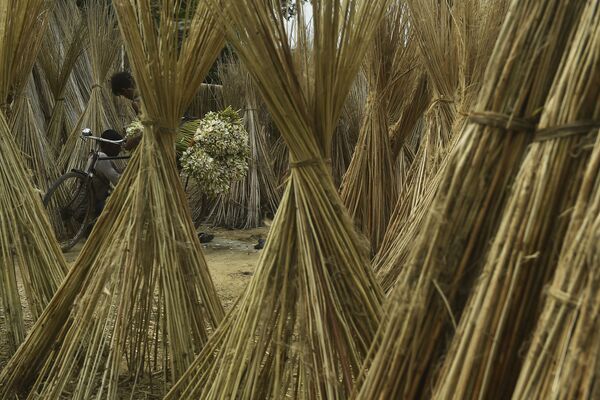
[(132, 142)]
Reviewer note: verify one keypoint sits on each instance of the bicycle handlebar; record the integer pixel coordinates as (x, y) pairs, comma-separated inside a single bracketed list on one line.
[(87, 134)]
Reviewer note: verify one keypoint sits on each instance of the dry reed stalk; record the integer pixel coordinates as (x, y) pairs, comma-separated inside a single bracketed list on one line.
[(473, 31), (139, 298), (33, 144), (579, 372), (403, 130), (27, 244), (27, 34), (559, 363), (446, 254), (368, 189), (62, 45), (257, 194), (209, 97), (557, 350), (484, 359), (348, 128), (104, 47), (305, 323)]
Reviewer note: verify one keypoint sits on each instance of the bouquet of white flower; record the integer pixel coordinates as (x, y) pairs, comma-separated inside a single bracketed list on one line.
[(219, 152)]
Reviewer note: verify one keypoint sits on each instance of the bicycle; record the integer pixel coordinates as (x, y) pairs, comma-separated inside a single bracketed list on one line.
[(70, 200)]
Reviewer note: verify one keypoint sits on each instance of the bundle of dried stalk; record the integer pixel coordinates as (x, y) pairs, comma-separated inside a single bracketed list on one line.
[(104, 47), (62, 45), (579, 372), (31, 139), (27, 35), (572, 295), (256, 195), (27, 246), (484, 359), (139, 298), (208, 98), (447, 253), (368, 189), (306, 321), (406, 129), (348, 128), (562, 361), (472, 30)]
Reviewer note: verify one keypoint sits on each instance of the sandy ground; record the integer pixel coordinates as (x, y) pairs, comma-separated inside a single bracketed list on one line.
[(231, 259)]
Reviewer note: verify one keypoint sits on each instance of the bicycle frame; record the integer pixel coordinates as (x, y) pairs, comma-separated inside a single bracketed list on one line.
[(95, 156)]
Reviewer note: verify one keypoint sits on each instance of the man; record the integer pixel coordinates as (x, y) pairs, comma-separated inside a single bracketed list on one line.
[(106, 174), (123, 84)]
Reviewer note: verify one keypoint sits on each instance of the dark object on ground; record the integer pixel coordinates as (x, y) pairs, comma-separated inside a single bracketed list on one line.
[(205, 237), (260, 244)]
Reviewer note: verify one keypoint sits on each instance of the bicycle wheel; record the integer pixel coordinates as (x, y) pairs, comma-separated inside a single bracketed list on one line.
[(70, 206)]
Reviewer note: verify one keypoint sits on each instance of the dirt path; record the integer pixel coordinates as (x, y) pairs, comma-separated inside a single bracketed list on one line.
[(231, 260)]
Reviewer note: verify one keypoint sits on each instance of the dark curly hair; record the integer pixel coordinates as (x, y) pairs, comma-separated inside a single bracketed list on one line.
[(112, 150), (121, 81)]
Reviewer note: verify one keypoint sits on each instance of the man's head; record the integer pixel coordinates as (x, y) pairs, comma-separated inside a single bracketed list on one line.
[(111, 150), (122, 84)]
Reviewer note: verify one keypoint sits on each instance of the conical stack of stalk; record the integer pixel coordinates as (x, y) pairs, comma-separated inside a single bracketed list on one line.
[(446, 256), (29, 255), (348, 128), (467, 29), (406, 132), (63, 44), (368, 189), (139, 302), (32, 141), (256, 195), (562, 361), (307, 318), (484, 359), (103, 50)]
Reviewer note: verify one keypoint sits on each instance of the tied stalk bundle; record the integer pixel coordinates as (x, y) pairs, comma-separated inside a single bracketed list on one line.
[(484, 358), (406, 130), (306, 321), (348, 128), (248, 199), (368, 188), (101, 23), (562, 361), (138, 303), (28, 251), (468, 31), (32, 140), (446, 255), (62, 45)]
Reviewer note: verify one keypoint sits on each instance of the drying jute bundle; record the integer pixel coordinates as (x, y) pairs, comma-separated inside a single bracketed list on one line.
[(406, 129), (138, 303), (484, 359), (468, 30), (32, 141), (104, 47), (348, 128), (29, 254), (368, 188), (250, 198), (307, 318), (562, 361), (445, 259), (62, 45)]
